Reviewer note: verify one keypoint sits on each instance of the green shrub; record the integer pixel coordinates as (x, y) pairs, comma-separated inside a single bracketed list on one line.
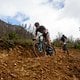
[(24, 42)]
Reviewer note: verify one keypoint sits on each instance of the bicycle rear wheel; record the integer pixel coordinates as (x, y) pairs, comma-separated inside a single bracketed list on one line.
[(50, 50)]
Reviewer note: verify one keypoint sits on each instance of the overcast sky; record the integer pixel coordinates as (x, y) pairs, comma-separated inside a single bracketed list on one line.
[(56, 15)]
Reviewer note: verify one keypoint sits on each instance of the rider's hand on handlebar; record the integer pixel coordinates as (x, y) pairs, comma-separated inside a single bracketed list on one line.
[(34, 39)]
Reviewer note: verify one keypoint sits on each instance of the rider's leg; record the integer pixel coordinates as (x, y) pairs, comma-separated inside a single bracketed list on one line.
[(47, 39), (65, 48), (49, 47)]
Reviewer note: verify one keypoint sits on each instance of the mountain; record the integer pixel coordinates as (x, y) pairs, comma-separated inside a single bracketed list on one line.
[(6, 28)]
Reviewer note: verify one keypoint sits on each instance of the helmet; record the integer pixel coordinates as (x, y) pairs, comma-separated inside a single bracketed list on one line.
[(36, 24)]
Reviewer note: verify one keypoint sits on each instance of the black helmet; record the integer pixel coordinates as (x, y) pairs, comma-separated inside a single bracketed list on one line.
[(36, 24), (63, 35)]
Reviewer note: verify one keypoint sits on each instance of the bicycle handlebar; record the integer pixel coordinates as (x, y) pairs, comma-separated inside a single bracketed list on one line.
[(38, 37), (33, 39)]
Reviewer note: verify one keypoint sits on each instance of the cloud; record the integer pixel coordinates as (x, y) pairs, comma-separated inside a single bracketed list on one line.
[(56, 15), (72, 9), (10, 20), (7, 8), (56, 4), (21, 17), (18, 19)]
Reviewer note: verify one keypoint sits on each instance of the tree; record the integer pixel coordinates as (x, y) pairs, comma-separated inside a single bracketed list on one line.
[(56, 41)]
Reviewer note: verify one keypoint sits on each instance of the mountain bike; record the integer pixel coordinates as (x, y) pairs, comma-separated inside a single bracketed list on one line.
[(41, 47)]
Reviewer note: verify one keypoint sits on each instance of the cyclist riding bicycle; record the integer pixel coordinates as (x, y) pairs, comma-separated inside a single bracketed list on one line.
[(64, 41), (45, 34)]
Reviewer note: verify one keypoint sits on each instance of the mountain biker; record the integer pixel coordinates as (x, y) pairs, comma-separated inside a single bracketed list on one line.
[(44, 31), (64, 41)]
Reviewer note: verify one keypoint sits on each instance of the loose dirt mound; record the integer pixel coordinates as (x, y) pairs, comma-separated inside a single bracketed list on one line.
[(21, 64)]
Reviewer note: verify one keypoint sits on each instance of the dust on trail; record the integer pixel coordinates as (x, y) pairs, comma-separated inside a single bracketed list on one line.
[(21, 64)]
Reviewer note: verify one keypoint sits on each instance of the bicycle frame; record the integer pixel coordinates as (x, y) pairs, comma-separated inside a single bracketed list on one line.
[(44, 47), (40, 46), (40, 43)]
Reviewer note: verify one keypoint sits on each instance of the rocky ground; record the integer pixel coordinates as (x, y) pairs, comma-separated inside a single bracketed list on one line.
[(21, 64)]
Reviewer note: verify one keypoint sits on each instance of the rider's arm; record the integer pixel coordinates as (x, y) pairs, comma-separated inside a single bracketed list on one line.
[(36, 33)]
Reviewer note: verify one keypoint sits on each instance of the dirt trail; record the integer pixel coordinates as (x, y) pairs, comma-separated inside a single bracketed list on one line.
[(21, 64)]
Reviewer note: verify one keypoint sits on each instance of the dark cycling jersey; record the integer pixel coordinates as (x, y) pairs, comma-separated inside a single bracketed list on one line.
[(41, 29), (63, 38)]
